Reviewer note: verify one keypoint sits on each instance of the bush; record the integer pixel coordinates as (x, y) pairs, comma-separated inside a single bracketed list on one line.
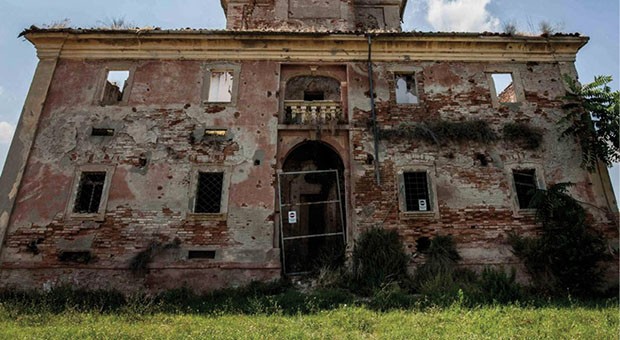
[(565, 257), (379, 258), (436, 279)]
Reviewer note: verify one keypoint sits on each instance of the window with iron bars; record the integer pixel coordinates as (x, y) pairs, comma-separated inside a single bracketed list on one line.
[(416, 191), (209, 192), (89, 193), (525, 184)]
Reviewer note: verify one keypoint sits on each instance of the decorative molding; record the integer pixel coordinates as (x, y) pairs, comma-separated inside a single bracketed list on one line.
[(302, 47)]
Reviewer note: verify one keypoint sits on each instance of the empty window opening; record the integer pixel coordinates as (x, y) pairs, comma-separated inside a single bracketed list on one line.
[(209, 192), (115, 85), (102, 132), (504, 87), (406, 92), (416, 191), (75, 256), (89, 193), (313, 95), (201, 254), (220, 87), (525, 184), (215, 132)]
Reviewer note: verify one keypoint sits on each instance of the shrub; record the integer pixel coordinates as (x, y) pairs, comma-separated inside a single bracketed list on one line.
[(436, 278), (378, 258), (565, 257)]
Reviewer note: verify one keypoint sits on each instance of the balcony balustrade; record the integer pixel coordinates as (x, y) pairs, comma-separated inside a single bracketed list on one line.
[(313, 112)]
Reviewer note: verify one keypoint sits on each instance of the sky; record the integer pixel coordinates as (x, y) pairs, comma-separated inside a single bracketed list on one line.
[(598, 19)]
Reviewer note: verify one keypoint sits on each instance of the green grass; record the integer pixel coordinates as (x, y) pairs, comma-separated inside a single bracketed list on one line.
[(345, 322)]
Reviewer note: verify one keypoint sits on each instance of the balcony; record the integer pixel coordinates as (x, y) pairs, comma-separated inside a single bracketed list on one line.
[(317, 112)]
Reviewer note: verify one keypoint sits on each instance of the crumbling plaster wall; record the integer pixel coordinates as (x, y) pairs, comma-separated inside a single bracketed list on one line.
[(154, 158), (476, 203)]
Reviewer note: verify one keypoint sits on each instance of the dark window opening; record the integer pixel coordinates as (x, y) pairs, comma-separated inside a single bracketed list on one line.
[(75, 256), (209, 192), (89, 193), (115, 85), (405, 89), (102, 132), (525, 183), (313, 95), (504, 87), (416, 191), (201, 254)]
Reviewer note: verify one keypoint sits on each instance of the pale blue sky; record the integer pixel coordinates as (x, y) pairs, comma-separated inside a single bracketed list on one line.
[(598, 19)]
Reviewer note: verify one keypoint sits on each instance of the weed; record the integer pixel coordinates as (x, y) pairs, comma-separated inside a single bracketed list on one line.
[(378, 258), (442, 131), (525, 135)]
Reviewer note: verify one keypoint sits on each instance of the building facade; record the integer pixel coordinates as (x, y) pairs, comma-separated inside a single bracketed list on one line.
[(211, 158)]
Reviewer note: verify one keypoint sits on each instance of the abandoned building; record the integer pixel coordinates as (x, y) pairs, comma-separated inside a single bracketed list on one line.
[(208, 158)]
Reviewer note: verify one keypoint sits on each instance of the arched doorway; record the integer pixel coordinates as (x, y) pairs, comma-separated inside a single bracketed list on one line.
[(312, 208)]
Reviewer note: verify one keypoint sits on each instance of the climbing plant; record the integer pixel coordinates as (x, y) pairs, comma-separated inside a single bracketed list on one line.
[(593, 117), (442, 131)]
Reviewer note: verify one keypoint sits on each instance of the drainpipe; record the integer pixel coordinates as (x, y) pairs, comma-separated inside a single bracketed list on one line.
[(375, 128)]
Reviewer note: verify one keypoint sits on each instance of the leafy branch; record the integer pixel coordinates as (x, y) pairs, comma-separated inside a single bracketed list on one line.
[(593, 117)]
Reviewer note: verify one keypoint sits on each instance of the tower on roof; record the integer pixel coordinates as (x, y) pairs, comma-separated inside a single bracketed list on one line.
[(323, 15)]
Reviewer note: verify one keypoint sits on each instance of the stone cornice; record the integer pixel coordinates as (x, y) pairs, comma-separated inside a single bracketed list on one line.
[(301, 46)]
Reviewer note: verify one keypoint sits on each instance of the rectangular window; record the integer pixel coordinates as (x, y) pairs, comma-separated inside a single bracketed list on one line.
[(102, 132), (525, 184), (209, 192), (504, 87), (90, 190), (200, 254), (220, 87), (405, 88), (416, 191), (115, 85)]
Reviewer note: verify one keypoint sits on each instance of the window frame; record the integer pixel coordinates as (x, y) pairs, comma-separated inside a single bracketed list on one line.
[(103, 78), (103, 202), (415, 72), (208, 70), (540, 184), (433, 210), (193, 190), (516, 81)]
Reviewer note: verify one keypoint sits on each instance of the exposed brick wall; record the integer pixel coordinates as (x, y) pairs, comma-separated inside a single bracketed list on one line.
[(155, 152)]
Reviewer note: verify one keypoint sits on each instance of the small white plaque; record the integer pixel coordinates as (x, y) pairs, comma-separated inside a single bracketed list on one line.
[(292, 217), (422, 205)]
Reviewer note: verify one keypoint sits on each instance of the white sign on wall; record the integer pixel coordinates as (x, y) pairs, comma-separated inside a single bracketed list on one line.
[(422, 205), (292, 217)]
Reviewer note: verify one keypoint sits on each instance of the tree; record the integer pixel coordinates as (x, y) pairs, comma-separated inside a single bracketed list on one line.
[(592, 116)]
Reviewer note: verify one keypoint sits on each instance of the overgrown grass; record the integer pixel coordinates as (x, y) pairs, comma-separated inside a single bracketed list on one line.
[(346, 322)]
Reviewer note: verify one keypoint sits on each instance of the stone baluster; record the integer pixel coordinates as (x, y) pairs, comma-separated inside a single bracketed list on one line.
[(303, 114)]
